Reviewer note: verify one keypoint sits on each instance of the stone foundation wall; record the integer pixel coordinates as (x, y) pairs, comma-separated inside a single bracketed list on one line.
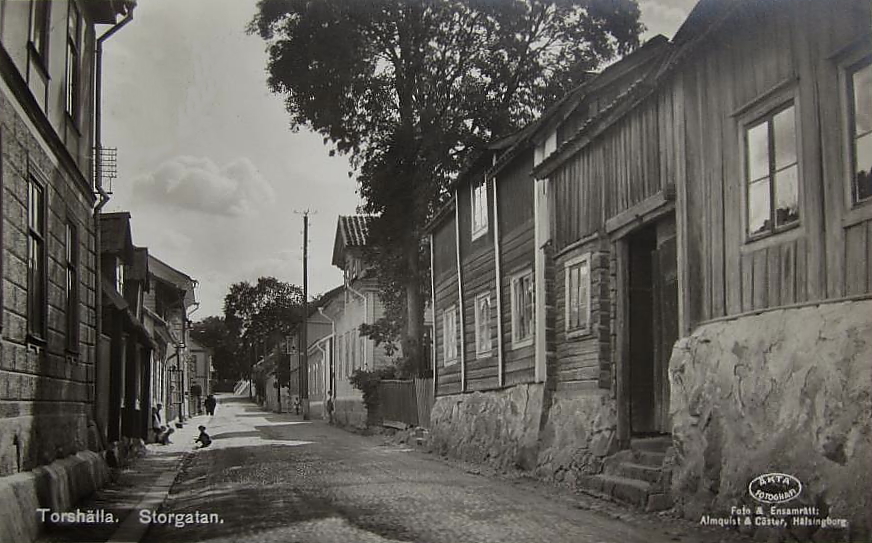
[(580, 432), (499, 428), (784, 391)]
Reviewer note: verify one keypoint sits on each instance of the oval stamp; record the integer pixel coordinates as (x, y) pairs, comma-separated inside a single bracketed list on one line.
[(774, 488)]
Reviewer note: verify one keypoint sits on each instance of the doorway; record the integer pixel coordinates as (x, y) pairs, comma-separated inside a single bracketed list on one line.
[(652, 325)]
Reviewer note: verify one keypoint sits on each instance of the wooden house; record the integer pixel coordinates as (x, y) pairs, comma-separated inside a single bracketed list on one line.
[(701, 263)]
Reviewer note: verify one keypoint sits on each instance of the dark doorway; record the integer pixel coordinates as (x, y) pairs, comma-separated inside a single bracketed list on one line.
[(653, 325)]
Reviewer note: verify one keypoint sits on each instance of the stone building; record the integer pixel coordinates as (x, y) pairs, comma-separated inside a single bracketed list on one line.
[(705, 272), (49, 255)]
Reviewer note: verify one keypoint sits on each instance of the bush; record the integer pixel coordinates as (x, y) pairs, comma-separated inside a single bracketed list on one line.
[(367, 382)]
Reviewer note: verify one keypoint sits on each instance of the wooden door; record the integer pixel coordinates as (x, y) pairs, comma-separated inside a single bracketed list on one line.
[(665, 294)]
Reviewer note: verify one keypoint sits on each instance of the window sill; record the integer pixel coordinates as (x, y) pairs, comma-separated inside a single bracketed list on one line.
[(451, 362), (789, 233), (523, 343), (579, 333), (479, 233), (35, 341), (484, 354), (860, 212)]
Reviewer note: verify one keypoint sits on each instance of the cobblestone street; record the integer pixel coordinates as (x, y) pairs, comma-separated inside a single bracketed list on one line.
[(271, 478)]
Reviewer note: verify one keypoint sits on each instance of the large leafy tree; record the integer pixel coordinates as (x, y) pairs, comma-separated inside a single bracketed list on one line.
[(212, 332), (259, 315), (407, 88)]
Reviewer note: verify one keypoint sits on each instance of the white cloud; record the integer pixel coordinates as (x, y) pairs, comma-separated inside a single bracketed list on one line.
[(664, 16), (197, 183)]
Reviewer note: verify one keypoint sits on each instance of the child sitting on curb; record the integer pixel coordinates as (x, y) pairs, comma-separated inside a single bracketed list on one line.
[(203, 439)]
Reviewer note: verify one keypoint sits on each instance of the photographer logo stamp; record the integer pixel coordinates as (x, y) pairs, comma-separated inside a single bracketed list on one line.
[(771, 491), (774, 488)]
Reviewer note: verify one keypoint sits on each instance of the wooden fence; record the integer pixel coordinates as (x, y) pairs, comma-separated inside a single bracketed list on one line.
[(406, 401)]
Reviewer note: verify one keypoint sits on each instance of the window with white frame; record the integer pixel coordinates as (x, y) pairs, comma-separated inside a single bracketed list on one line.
[(340, 352), (479, 207), (772, 172), (449, 335), (860, 118), (523, 299), (119, 276), (483, 336), (578, 294)]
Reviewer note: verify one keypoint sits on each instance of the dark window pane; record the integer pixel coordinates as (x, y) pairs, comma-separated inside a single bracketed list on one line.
[(786, 196), (758, 151), (863, 176), (862, 83), (758, 207), (785, 138)]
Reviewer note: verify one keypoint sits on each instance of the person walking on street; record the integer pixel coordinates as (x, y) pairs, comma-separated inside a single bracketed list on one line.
[(329, 406), (210, 404)]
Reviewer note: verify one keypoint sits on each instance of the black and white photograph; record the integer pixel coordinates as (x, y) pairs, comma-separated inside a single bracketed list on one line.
[(435, 271)]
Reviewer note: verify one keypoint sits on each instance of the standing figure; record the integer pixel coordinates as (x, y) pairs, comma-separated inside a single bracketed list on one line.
[(210, 404), (329, 406)]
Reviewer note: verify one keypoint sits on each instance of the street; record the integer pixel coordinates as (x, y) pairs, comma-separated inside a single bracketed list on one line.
[(269, 478)]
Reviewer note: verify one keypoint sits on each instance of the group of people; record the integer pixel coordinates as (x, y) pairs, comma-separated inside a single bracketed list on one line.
[(162, 432)]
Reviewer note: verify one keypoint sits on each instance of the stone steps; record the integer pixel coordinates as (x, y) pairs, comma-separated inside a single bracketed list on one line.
[(635, 475)]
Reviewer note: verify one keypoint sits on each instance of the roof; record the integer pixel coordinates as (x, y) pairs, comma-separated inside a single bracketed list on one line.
[(644, 72), (173, 277), (114, 300), (115, 236), (107, 11), (351, 231)]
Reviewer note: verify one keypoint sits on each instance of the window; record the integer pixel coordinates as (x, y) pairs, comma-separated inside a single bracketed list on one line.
[(449, 335), (860, 103), (772, 172), (39, 14), (479, 207), (119, 276), (340, 351), (74, 47), (483, 339), (347, 355), (578, 294), (352, 337), (72, 287), (36, 267), (522, 309), (362, 351)]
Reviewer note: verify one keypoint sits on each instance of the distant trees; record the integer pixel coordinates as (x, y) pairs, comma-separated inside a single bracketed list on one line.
[(408, 88), (255, 316)]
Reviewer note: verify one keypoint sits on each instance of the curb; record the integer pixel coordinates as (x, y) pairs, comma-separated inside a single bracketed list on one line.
[(132, 530)]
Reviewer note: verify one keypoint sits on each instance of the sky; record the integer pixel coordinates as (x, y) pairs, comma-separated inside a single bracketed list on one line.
[(215, 180)]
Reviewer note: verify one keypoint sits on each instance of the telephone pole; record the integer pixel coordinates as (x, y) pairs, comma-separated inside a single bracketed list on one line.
[(304, 341)]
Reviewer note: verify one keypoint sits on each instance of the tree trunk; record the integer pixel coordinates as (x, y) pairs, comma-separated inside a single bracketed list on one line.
[(415, 311)]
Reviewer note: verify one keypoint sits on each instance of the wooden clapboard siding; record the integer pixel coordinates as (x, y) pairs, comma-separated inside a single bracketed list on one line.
[(790, 45), (444, 251), (445, 296), (584, 357), (478, 277)]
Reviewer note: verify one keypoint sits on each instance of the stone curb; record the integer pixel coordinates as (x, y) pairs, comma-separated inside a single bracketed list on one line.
[(56, 486), (131, 529)]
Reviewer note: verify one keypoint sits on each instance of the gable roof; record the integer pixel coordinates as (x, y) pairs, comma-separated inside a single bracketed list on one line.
[(351, 231), (165, 273)]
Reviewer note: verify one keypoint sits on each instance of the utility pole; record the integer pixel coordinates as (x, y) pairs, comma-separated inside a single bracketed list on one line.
[(304, 342)]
